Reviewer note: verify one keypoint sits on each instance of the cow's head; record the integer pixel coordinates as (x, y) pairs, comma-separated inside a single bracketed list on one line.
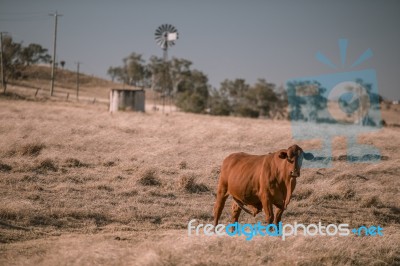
[(294, 156)]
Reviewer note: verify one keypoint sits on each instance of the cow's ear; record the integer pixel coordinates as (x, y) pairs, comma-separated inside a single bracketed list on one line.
[(283, 155), (308, 156)]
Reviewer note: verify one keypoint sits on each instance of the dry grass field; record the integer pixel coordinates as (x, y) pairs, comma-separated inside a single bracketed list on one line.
[(79, 186)]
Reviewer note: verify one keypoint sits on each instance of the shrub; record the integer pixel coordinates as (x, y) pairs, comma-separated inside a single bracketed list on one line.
[(191, 102)]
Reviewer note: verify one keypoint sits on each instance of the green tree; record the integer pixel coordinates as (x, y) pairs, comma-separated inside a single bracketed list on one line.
[(279, 107), (219, 103), (236, 97), (192, 92), (263, 97), (237, 93), (132, 71), (115, 73), (175, 79), (179, 71), (12, 59), (134, 68), (33, 54)]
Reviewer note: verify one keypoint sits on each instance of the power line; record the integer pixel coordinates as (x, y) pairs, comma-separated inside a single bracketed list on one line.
[(56, 15)]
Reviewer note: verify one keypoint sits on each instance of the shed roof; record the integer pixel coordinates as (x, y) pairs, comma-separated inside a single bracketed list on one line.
[(124, 89)]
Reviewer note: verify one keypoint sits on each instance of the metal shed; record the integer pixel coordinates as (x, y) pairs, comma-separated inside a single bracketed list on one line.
[(127, 100)]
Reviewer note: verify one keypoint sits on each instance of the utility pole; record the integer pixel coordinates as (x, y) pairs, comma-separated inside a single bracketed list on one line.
[(3, 84), (56, 15), (77, 79)]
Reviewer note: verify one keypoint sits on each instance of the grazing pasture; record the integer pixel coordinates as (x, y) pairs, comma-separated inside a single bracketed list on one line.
[(81, 186)]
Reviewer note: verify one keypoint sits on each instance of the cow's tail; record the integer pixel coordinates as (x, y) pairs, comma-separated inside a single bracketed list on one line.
[(241, 205)]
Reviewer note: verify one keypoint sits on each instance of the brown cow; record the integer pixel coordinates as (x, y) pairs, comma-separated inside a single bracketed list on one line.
[(259, 181)]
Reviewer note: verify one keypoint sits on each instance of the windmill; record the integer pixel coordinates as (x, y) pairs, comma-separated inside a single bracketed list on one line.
[(165, 36)]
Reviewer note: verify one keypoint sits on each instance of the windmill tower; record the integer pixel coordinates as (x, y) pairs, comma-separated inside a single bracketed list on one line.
[(165, 37)]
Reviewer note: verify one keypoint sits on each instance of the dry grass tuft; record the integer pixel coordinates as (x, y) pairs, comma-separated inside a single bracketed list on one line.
[(154, 219), (109, 164), (72, 162), (169, 195), (372, 201), (188, 184), (30, 178), (32, 149), (99, 218), (331, 196), (129, 193), (5, 167), (46, 165), (215, 171), (387, 215), (349, 194), (105, 187), (119, 177), (183, 165), (45, 220), (203, 215), (302, 194), (149, 178)]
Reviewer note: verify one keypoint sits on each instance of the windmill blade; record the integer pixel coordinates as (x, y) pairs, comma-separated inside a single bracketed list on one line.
[(166, 35)]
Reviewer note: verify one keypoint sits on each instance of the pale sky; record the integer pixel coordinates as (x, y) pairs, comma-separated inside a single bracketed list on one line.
[(274, 40)]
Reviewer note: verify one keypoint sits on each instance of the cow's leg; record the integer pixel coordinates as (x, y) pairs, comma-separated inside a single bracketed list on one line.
[(235, 212), (219, 203), (267, 205), (278, 214)]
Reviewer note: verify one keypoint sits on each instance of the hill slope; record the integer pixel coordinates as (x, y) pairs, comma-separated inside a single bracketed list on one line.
[(39, 77)]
